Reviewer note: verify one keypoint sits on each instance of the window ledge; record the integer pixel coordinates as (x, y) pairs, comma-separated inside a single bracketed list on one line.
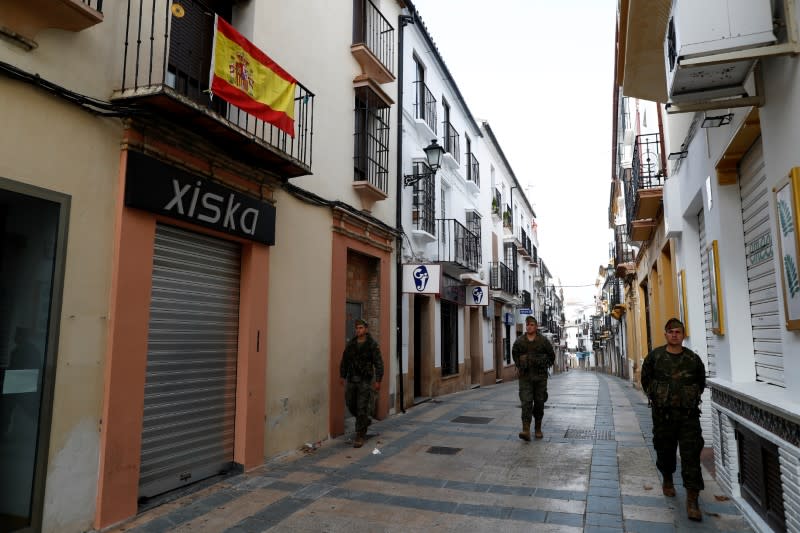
[(422, 235), (369, 194)]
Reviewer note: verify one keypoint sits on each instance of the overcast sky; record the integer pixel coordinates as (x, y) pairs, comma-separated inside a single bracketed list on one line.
[(540, 72)]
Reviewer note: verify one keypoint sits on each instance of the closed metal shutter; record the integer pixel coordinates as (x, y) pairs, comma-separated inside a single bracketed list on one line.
[(761, 277), (711, 339), (190, 388)]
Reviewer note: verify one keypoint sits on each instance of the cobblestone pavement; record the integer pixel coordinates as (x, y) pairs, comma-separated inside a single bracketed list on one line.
[(456, 464)]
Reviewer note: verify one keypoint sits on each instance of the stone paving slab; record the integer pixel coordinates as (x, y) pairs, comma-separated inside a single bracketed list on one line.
[(593, 471)]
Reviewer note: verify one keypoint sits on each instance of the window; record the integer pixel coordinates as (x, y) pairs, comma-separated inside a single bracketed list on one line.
[(423, 213), (451, 138), (371, 151)]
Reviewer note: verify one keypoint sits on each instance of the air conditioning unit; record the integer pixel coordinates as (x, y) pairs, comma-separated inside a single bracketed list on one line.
[(702, 28)]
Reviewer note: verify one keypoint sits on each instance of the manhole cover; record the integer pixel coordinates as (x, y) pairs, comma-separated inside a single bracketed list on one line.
[(471, 420), (443, 450), (589, 434)]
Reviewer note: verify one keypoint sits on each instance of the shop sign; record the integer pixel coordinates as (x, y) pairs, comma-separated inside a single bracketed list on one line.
[(155, 186), (421, 279), (477, 295), (453, 291)]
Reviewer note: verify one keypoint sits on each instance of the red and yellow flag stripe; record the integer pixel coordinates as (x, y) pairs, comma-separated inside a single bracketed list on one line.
[(246, 77)]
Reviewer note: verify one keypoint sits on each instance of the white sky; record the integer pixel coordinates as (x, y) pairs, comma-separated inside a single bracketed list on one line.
[(540, 72)]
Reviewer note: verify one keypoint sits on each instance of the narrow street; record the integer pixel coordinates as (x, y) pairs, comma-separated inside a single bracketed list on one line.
[(456, 464)]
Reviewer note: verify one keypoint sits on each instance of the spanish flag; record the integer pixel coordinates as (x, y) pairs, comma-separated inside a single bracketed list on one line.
[(246, 77)]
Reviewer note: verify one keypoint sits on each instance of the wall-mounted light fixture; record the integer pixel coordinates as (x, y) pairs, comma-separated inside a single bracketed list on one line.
[(716, 121), (675, 156), (433, 153)]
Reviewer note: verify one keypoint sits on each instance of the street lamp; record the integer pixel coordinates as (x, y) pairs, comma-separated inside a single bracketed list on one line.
[(433, 153)]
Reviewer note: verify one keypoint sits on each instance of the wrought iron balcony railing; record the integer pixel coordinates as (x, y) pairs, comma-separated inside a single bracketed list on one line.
[(97, 5), (458, 245), (371, 28), (623, 253), (502, 278), (165, 66), (422, 215), (647, 171), (526, 299), (451, 142), (507, 218), (371, 140), (473, 169), (425, 105), (497, 202)]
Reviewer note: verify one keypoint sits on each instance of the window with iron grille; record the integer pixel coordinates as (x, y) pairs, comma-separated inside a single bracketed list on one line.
[(424, 206), (760, 477), (371, 153)]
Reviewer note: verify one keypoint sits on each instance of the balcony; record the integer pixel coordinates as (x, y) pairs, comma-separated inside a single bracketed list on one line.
[(373, 42), (473, 172), (624, 255), (644, 189), (166, 62), (371, 147), (425, 108), (452, 145), (503, 279), (508, 224), (524, 244), (22, 20), (526, 299), (423, 223), (497, 201), (459, 248)]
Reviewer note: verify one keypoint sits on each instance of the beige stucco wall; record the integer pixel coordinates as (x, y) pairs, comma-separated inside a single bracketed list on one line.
[(57, 146)]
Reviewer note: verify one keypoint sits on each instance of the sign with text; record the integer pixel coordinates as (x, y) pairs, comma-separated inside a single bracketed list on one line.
[(158, 187), (477, 295), (422, 279)]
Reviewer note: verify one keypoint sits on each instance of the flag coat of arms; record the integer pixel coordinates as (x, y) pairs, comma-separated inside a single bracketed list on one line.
[(246, 77)]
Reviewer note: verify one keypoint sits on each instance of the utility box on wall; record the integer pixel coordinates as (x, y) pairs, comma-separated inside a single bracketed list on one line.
[(709, 27)]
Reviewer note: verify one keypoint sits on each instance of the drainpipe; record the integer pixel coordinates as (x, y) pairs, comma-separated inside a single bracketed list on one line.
[(401, 23)]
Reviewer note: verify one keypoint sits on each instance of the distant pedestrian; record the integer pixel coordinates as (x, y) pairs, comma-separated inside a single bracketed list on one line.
[(673, 377), (362, 371), (533, 354)]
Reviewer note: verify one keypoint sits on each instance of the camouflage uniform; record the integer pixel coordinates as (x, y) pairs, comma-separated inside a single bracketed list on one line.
[(361, 366), (674, 383), (533, 359)]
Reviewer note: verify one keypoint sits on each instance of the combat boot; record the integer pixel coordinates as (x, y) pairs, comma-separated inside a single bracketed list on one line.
[(538, 429), (692, 506), (358, 442), (667, 488), (525, 434)]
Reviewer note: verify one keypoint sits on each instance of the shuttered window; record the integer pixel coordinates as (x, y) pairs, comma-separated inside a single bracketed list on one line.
[(711, 339)]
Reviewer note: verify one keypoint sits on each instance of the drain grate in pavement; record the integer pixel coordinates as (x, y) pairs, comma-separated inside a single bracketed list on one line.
[(443, 450), (471, 420), (589, 434)]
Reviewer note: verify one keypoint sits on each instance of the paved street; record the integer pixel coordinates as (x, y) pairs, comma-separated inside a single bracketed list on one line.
[(456, 464)]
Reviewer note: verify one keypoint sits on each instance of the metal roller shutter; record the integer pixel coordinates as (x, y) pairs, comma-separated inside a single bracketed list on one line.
[(190, 388), (761, 277), (711, 339)]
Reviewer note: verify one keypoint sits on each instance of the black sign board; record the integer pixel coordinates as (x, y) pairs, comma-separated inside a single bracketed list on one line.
[(453, 290), (155, 186)]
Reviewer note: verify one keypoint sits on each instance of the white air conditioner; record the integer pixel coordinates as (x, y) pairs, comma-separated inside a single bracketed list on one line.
[(702, 28)]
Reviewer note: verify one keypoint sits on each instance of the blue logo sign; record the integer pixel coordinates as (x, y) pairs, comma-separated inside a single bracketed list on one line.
[(421, 277), (477, 295)]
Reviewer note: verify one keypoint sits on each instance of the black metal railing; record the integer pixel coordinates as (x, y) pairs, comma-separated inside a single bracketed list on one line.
[(162, 54), (508, 218), (473, 169), (623, 253), (502, 278), (423, 204), (452, 142), (371, 28), (97, 5), (371, 140), (425, 106), (534, 254), (615, 293), (458, 245), (647, 171), (497, 201)]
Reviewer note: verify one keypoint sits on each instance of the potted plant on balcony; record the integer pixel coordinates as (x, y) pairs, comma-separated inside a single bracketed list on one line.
[(495, 207), (507, 218)]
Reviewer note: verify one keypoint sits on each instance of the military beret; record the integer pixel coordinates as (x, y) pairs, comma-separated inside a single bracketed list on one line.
[(530, 319), (361, 322)]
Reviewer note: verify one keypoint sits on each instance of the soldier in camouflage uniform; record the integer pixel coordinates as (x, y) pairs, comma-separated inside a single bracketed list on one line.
[(533, 354), (362, 369), (673, 377)]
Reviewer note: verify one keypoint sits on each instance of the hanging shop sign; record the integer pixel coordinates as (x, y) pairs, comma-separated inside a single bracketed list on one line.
[(477, 295), (453, 291), (155, 186), (422, 279)]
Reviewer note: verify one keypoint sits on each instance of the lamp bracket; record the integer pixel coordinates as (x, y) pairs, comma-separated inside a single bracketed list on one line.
[(411, 179)]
